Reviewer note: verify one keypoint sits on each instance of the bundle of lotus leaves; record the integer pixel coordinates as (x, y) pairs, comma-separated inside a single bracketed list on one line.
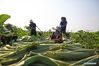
[(40, 54)]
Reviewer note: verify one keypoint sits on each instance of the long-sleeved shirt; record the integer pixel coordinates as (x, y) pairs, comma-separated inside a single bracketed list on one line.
[(32, 26), (63, 24)]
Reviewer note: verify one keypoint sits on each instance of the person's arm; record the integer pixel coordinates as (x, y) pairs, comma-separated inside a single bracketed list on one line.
[(30, 26), (35, 25), (60, 24)]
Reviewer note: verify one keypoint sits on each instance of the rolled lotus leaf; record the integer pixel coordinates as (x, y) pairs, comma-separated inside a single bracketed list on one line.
[(90, 61), (39, 60), (9, 61), (70, 55), (93, 61)]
